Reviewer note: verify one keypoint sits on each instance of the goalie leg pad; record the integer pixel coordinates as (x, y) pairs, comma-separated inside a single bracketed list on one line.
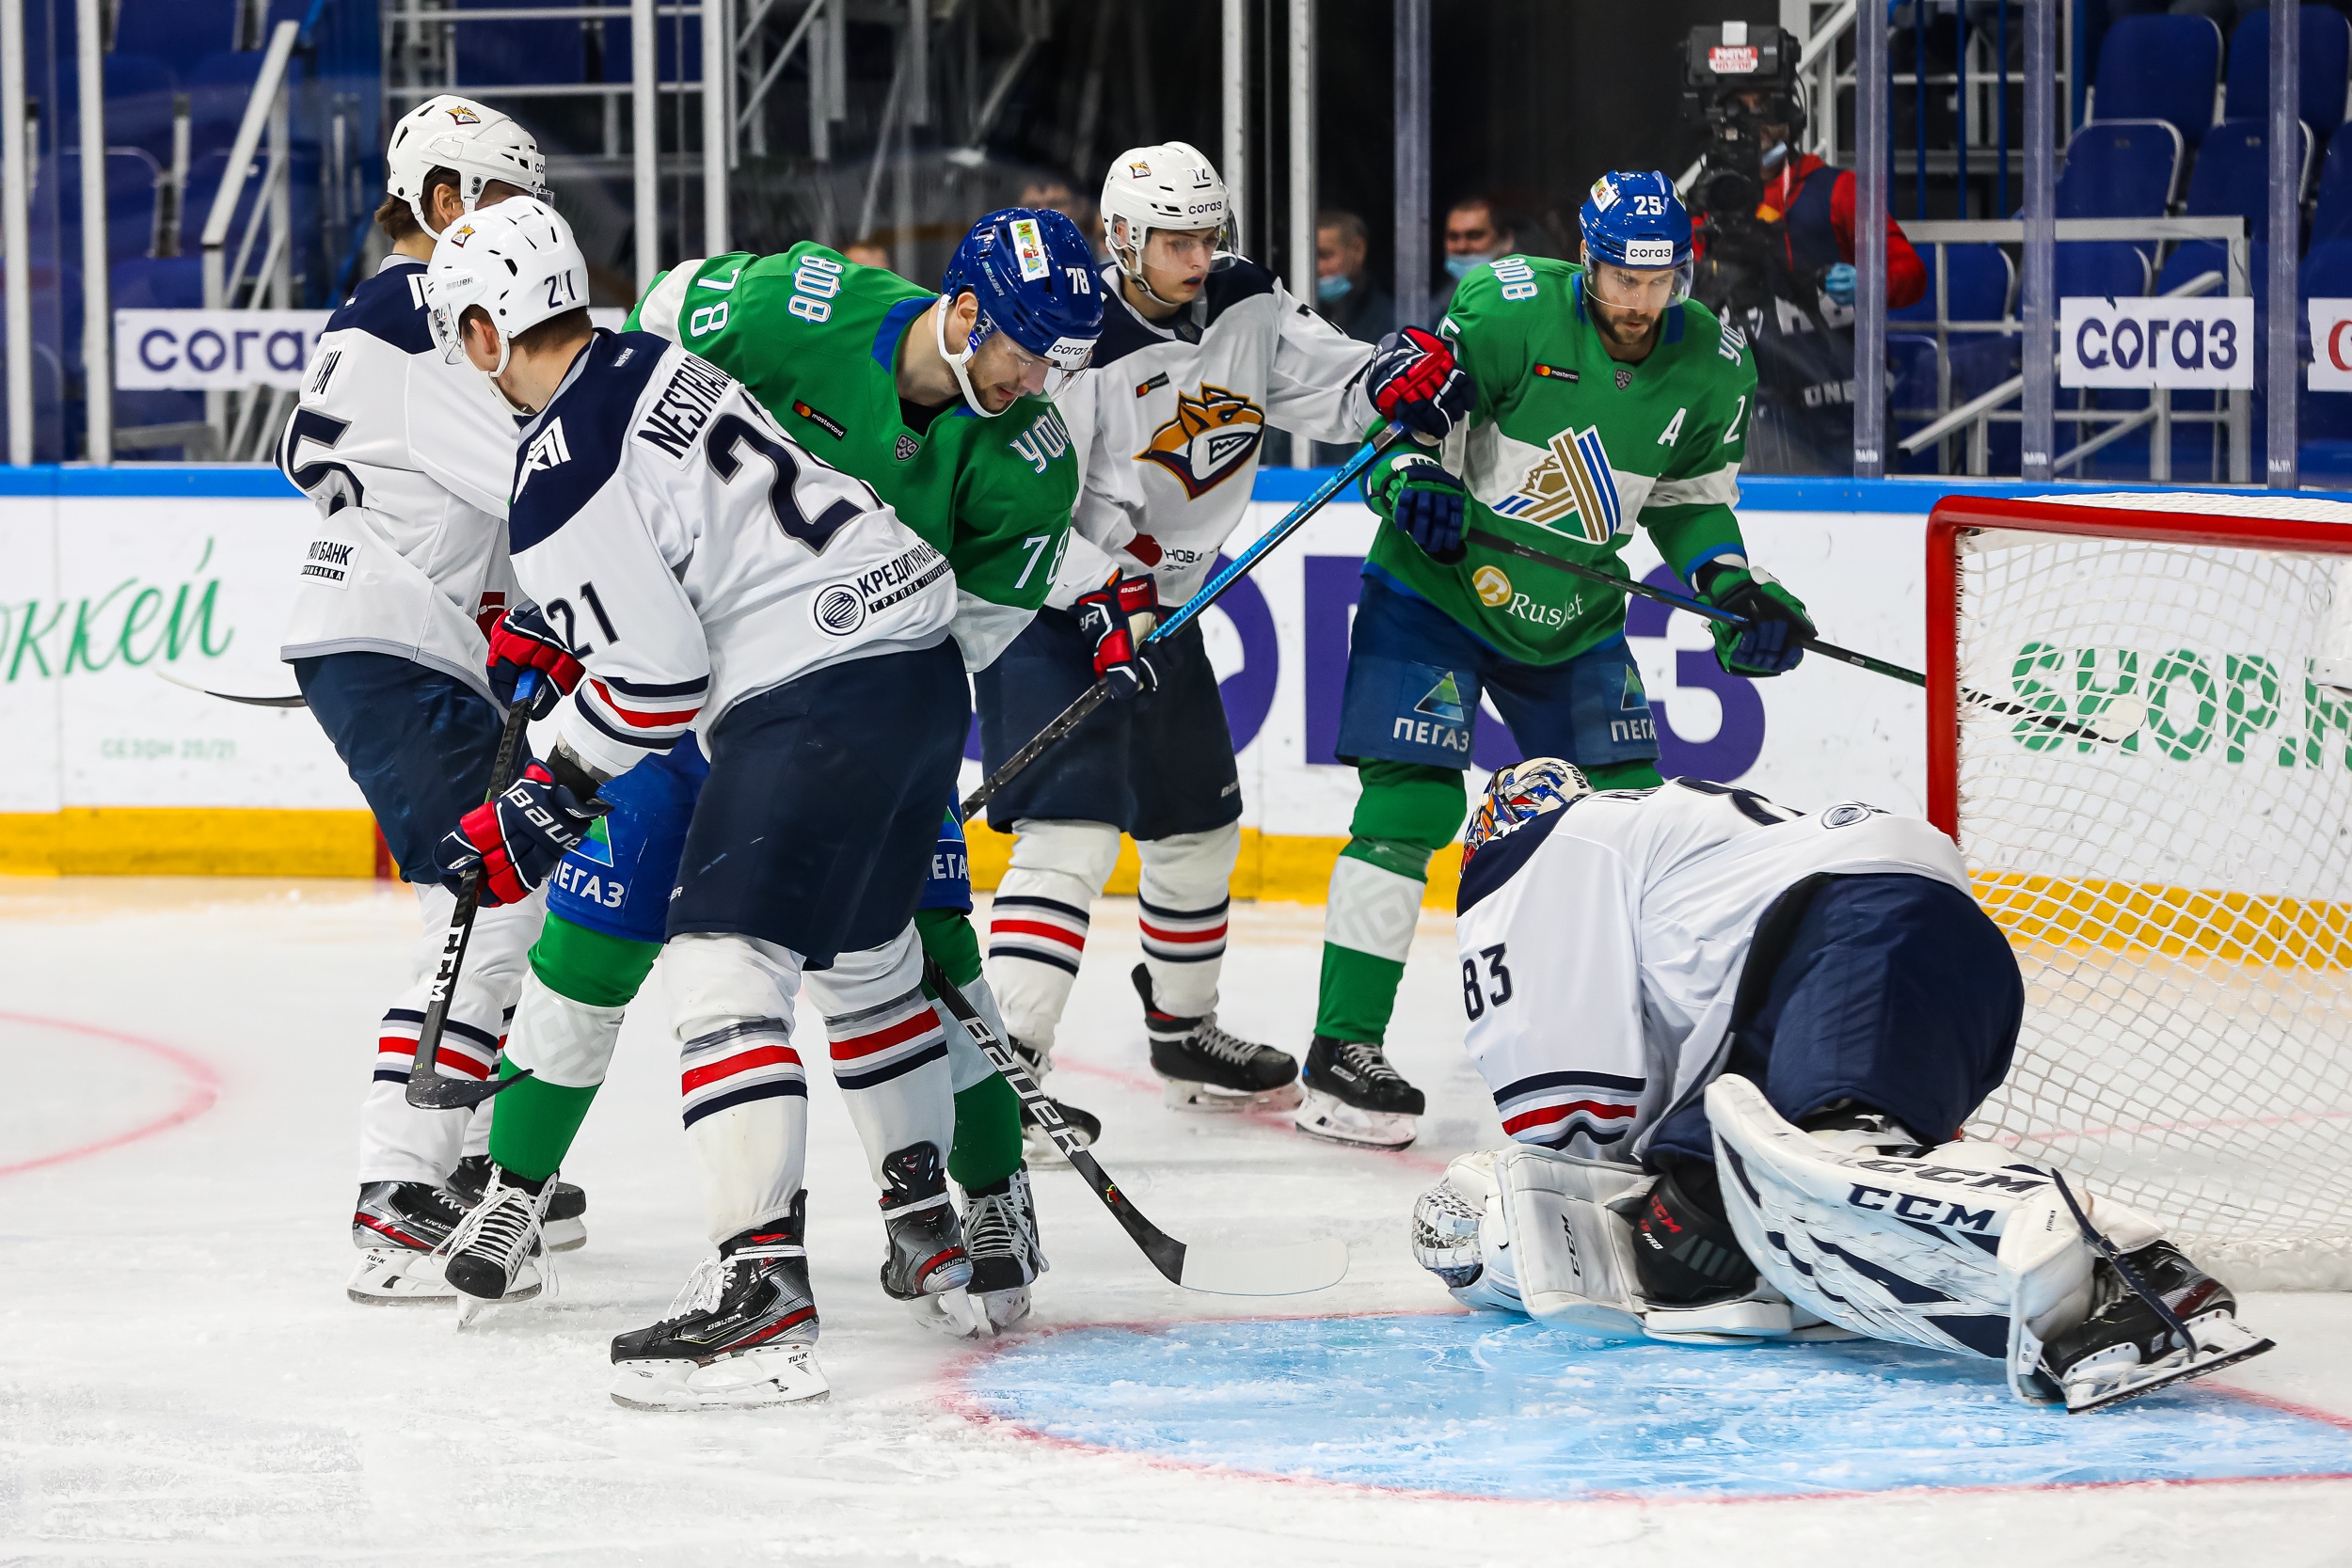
[(1571, 1255), (1955, 1251)]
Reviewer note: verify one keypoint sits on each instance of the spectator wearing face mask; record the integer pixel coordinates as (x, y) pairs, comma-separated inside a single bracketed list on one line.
[(1346, 294), (1475, 233)]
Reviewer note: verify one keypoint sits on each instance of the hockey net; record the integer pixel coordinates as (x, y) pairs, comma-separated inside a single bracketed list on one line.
[(2180, 898)]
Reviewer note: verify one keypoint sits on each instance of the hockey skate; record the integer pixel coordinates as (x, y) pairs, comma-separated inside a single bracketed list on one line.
[(1353, 1096), (2125, 1348), (926, 1242), (496, 1253), (1205, 1068), (741, 1334), (1034, 1141), (563, 1228), (400, 1228), (1000, 1235)]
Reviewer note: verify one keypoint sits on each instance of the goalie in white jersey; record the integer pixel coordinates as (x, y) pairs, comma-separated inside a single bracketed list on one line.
[(1202, 352), (1734, 1044), (407, 459), (706, 571)]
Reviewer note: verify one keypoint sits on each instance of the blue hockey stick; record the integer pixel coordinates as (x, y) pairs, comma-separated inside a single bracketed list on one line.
[(1099, 693)]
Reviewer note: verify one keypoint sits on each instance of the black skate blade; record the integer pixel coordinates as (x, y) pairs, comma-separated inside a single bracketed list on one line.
[(2184, 1373), (438, 1091)]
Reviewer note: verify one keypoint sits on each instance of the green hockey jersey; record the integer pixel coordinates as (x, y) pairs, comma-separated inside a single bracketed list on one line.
[(816, 339), (1569, 448)]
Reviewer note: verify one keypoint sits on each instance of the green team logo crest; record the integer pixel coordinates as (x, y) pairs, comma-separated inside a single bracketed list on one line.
[(1443, 702), (1572, 478)]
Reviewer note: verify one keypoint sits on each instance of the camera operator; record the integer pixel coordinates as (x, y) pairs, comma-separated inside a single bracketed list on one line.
[(1776, 238)]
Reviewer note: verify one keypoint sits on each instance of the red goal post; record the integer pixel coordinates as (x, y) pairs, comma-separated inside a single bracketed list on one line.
[(2180, 897)]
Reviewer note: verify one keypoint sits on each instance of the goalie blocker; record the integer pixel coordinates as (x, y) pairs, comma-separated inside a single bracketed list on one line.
[(1832, 989)]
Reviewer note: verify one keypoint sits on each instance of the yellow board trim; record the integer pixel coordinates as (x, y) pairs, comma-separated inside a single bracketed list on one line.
[(137, 841), (142, 841), (2150, 917)]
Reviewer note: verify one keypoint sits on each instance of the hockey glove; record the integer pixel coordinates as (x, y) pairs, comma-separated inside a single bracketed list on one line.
[(1414, 382), (1768, 644), (519, 837), (523, 639), (1118, 616), (1424, 501)]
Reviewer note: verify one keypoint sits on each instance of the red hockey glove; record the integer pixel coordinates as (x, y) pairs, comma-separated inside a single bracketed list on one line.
[(1118, 616), (523, 639), (519, 837), (1414, 382)]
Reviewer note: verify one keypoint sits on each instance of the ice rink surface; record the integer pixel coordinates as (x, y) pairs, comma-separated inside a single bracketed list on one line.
[(182, 1381)]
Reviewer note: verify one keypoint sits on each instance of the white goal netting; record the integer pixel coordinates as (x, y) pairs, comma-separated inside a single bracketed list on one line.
[(2180, 901)]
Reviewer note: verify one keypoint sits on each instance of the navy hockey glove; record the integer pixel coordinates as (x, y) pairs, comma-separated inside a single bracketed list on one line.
[(523, 639), (1118, 616), (1424, 501), (1414, 382), (1768, 644), (519, 837)]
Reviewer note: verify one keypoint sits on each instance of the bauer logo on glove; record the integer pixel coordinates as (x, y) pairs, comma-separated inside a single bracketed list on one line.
[(1117, 617), (1415, 382), (519, 837)]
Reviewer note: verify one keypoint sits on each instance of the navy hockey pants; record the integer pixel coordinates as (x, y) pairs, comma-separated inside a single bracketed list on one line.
[(1894, 991), (419, 743)]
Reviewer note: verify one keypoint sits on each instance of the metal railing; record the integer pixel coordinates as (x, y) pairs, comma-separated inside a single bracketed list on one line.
[(1976, 416)]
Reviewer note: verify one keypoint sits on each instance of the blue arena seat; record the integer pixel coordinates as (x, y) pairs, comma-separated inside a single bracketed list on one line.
[(1983, 280), (187, 30), (2159, 68), (2120, 168), (2233, 174), (514, 53), (217, 91), (2332, 211), (2323, 62), (666, 50), (2100, 267)]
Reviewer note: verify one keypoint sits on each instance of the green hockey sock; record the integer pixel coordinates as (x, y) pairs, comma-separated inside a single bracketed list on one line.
[(1358, 993), (588, 966), (1624, 775), (988, 1134), (533, 1123), (949, 942)]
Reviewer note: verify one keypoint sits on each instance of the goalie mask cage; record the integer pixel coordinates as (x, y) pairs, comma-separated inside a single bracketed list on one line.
[(2180, 900)]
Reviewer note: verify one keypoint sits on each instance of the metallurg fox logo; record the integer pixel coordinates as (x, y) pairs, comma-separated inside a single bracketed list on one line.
[(1210, 438)]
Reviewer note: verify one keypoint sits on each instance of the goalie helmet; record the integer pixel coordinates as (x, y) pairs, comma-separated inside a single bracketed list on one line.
[(517, 262), (1521, 793), (1034, 278), (476, 141), (1638, 222), (1172, 185)]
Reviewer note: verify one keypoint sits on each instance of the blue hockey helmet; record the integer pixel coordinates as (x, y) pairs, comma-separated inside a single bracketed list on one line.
[(1033, 276), (1637, 222)]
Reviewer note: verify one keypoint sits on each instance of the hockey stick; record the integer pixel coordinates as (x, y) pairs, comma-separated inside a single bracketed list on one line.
[(187, 685), (2118, 723), (1286, 1271), (429, 1089), (1099, 693)]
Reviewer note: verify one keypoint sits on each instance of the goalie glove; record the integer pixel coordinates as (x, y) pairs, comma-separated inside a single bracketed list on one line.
[(519, 837), (1424, 501), (1117, 617), (1768, 644), (1414, 381), (521, 639)]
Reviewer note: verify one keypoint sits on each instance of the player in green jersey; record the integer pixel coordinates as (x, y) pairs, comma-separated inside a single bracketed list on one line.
[(1604, 397), (856, 364)]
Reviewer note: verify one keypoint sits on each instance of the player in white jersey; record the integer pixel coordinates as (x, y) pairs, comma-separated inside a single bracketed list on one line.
[(407, 459), (708, 571), (1734, 1045), (1201, 352)]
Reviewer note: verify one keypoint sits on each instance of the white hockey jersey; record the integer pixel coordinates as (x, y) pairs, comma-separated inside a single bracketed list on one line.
[(408, 458), (1602, 945), (694, 555), (1169, 417)]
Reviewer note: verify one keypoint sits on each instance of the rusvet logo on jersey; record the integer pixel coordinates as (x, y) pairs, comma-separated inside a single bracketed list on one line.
[(1493, 586), (547, 449), (1573, 480), (1211, 439), (1028, 247)]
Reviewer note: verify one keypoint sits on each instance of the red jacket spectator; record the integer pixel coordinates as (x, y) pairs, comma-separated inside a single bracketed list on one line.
[(1816, 200)]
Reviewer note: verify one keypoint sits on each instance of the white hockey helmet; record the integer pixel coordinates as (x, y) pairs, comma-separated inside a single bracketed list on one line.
[(475, 140), (518, 261), (1172, 185)]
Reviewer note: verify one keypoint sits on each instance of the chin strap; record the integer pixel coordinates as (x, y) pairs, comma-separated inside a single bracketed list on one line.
[(957, 361)]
